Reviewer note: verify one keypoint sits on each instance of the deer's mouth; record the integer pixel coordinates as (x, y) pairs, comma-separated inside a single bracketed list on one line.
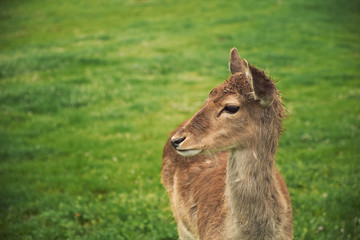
[(188, 152)]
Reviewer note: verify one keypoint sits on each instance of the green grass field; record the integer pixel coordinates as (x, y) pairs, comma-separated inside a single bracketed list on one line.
[(89, 91)]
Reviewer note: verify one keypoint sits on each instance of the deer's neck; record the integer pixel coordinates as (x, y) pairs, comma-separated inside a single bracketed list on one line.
[(252, 193)]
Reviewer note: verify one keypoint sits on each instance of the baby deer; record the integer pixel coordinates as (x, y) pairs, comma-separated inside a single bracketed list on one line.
[(219, 166)]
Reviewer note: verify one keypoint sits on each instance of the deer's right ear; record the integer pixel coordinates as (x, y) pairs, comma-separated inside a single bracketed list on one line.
[(235, 61), (237, 65)]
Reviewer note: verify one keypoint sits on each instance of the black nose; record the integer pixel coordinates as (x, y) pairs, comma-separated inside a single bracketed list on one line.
[(176, 142)]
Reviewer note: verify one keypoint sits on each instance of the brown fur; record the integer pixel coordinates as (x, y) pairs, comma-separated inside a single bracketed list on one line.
[(233, 189)]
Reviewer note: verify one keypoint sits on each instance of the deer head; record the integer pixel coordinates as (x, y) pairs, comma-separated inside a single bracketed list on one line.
[(226, 120)]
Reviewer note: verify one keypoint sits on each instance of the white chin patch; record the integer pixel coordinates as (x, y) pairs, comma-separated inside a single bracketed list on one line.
[(188, 153)]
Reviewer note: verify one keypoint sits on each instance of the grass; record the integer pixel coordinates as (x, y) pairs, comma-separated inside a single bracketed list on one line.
[(89, 91)]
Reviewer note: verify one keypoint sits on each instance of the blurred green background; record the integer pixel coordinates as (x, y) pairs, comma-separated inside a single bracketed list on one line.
[(89, 91)]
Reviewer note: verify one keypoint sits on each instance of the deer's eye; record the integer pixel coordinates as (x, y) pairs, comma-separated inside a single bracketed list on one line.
[(231, 109)]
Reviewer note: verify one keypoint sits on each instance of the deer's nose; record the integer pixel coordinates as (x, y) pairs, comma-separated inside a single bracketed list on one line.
[(177, 141)]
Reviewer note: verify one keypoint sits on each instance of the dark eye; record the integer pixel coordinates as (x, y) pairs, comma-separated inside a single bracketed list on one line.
[(231, 109)]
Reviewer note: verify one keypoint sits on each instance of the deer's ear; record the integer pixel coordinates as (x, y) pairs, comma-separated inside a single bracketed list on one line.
[(237, 65), (263, 88)]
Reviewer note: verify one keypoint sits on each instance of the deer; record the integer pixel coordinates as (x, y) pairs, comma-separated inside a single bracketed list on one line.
[(219, 166)]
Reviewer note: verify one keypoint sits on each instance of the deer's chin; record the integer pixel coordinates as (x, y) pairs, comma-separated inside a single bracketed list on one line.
[(188, 152)]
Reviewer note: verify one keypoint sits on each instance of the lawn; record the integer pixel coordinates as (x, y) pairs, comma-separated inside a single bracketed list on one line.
[(89, 91)]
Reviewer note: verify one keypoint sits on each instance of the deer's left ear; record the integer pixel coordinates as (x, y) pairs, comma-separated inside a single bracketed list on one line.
[(263, 88)]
